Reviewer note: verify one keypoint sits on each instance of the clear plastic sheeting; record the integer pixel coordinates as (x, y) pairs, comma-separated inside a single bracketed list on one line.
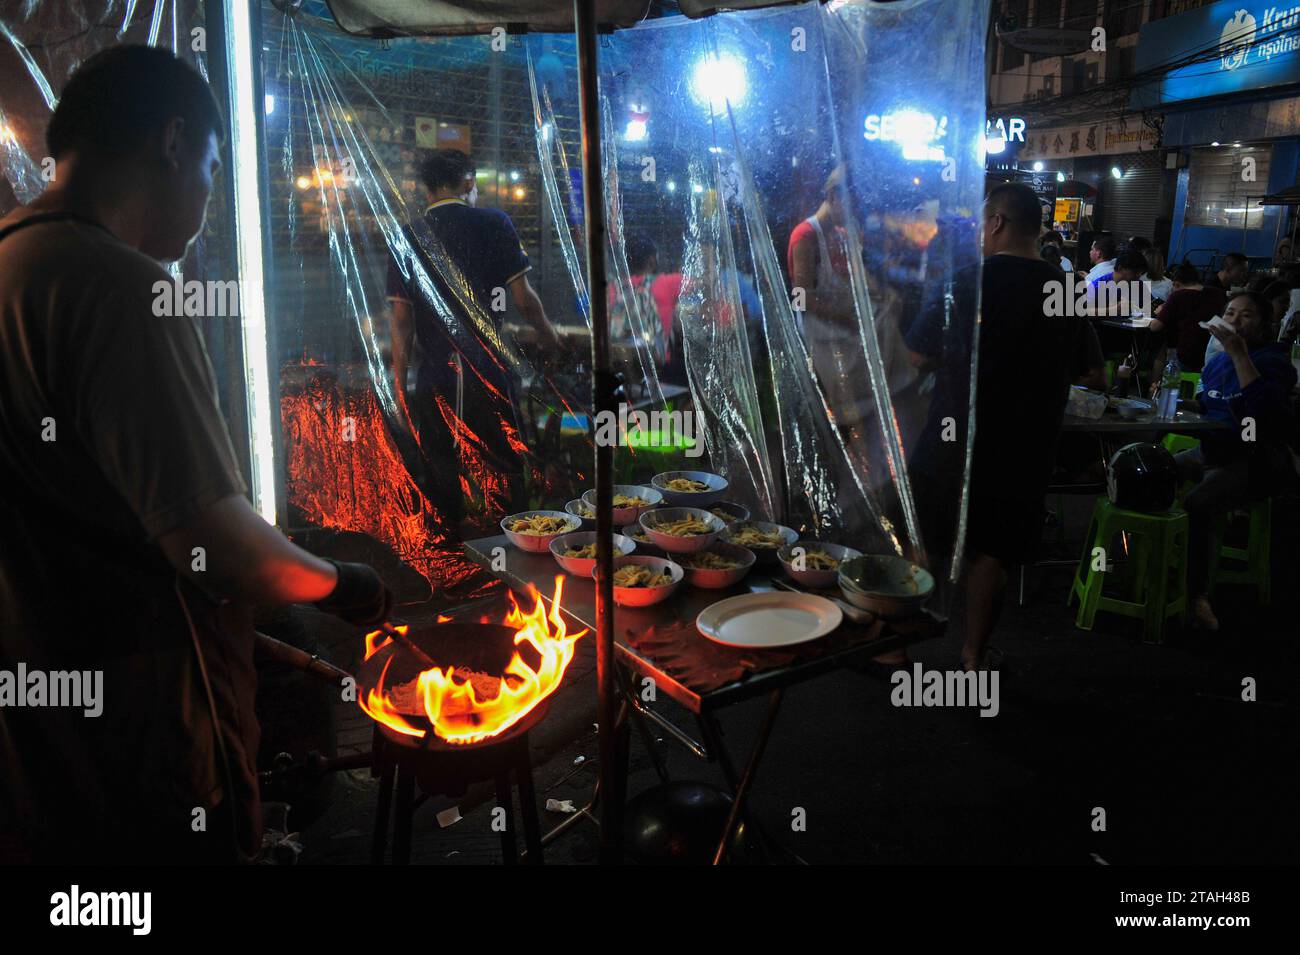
[(42, 42), (800, 180), (784, 203)]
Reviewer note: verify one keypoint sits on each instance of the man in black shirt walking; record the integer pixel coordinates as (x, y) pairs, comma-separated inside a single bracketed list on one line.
[(1026, 356)]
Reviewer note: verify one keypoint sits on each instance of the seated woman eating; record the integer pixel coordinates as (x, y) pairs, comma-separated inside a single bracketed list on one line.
[(1248, 386)]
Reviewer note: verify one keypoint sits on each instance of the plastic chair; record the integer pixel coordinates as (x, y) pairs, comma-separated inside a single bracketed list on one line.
[(1252, 561), (1157, 568)]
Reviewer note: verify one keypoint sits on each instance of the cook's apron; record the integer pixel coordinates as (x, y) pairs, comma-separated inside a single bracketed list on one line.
[(177, 733)]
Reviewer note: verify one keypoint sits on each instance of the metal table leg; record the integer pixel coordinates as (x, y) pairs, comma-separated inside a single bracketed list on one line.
[(747, 780)]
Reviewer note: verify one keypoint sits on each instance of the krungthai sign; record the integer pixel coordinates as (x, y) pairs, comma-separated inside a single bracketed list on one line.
[(1232, 46)]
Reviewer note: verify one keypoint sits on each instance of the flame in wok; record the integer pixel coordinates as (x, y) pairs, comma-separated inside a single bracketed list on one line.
[(462, 711)]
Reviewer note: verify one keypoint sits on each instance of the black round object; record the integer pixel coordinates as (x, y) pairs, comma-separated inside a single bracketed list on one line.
[(678, 823), (1142, 477)]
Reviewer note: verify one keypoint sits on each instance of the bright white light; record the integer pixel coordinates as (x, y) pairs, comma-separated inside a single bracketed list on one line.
[(1215, 143), (514, 175), (1038, 167), (1060, 177), (717, 81), (636, 130), (270, 104), (546, 131), (697, 188), (672, 186), (994, 145), (919, 134), (240, 67), (1117, 172)]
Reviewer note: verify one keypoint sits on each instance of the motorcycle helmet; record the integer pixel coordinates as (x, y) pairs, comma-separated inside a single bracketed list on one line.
[(1142, 477)]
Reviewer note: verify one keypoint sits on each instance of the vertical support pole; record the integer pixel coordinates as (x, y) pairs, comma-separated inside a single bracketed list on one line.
[(247, 110), (611, 809)]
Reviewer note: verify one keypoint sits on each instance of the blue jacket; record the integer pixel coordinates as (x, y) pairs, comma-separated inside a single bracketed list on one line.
[(1266, 400)]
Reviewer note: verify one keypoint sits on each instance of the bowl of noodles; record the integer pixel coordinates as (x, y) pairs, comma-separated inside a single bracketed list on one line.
[(682, 530), (630, 502), (814, 563), (578, 508), (762, 537), (576, 553), (722, 565), (534, 530), (729, 512), (644, 545), (689, 488), (644, 581)]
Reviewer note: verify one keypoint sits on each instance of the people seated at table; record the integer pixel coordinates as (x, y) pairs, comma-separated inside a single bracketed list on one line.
[(1247, 386), (1055, 239), (1178, 321), (1025, 366), (1102, 256), (1113, 295), (1161, 285), (1233, 274)]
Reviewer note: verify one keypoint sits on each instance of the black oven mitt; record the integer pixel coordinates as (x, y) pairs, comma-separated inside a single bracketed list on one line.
[(359, 597)]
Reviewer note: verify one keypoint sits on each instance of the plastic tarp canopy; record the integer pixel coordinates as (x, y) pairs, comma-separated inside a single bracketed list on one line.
[(787, 209), (387, 18)]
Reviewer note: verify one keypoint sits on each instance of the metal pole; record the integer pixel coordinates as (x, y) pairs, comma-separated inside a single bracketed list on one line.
[(602, 401)]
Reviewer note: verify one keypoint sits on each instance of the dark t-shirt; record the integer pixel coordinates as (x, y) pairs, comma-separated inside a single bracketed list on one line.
[(1182, 314), (1026, 363), (110, 437), (484, 249)]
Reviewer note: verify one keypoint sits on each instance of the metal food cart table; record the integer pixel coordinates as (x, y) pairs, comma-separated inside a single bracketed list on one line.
[(662, 644)]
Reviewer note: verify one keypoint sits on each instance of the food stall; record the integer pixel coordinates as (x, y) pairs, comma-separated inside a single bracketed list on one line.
[(800, 429)]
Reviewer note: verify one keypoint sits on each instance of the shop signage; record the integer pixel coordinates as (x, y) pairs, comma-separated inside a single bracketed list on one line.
[(1092, 139), (1247, 44)]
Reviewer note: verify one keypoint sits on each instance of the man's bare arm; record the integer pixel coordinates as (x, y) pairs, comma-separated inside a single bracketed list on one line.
[(246, 558), (530, 307)]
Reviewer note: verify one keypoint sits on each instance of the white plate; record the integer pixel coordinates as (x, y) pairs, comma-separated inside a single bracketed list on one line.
[(768, 619)]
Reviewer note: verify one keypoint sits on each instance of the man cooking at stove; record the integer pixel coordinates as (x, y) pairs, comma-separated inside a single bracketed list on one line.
[(129, 552), (464, 417)]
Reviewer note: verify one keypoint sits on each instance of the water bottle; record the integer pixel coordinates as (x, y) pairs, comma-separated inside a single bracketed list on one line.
[(1167, 406)]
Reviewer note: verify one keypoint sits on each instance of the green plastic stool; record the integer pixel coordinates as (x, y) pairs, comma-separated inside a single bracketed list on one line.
[(1157, 575), (1179, 442), (1252, 561)]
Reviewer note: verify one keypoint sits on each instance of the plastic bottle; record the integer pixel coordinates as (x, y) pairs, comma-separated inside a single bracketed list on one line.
[(1167, 406)]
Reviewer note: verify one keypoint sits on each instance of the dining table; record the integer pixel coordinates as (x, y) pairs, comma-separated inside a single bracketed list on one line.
[(660, 650)]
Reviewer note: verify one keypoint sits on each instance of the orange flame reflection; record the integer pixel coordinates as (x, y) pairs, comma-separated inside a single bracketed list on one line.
[(455, 708)]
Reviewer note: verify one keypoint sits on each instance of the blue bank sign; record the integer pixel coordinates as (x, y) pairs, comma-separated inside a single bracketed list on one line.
[(1237, 45)]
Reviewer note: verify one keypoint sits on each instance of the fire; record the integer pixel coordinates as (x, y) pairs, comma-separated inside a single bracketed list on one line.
[(462, 711)]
